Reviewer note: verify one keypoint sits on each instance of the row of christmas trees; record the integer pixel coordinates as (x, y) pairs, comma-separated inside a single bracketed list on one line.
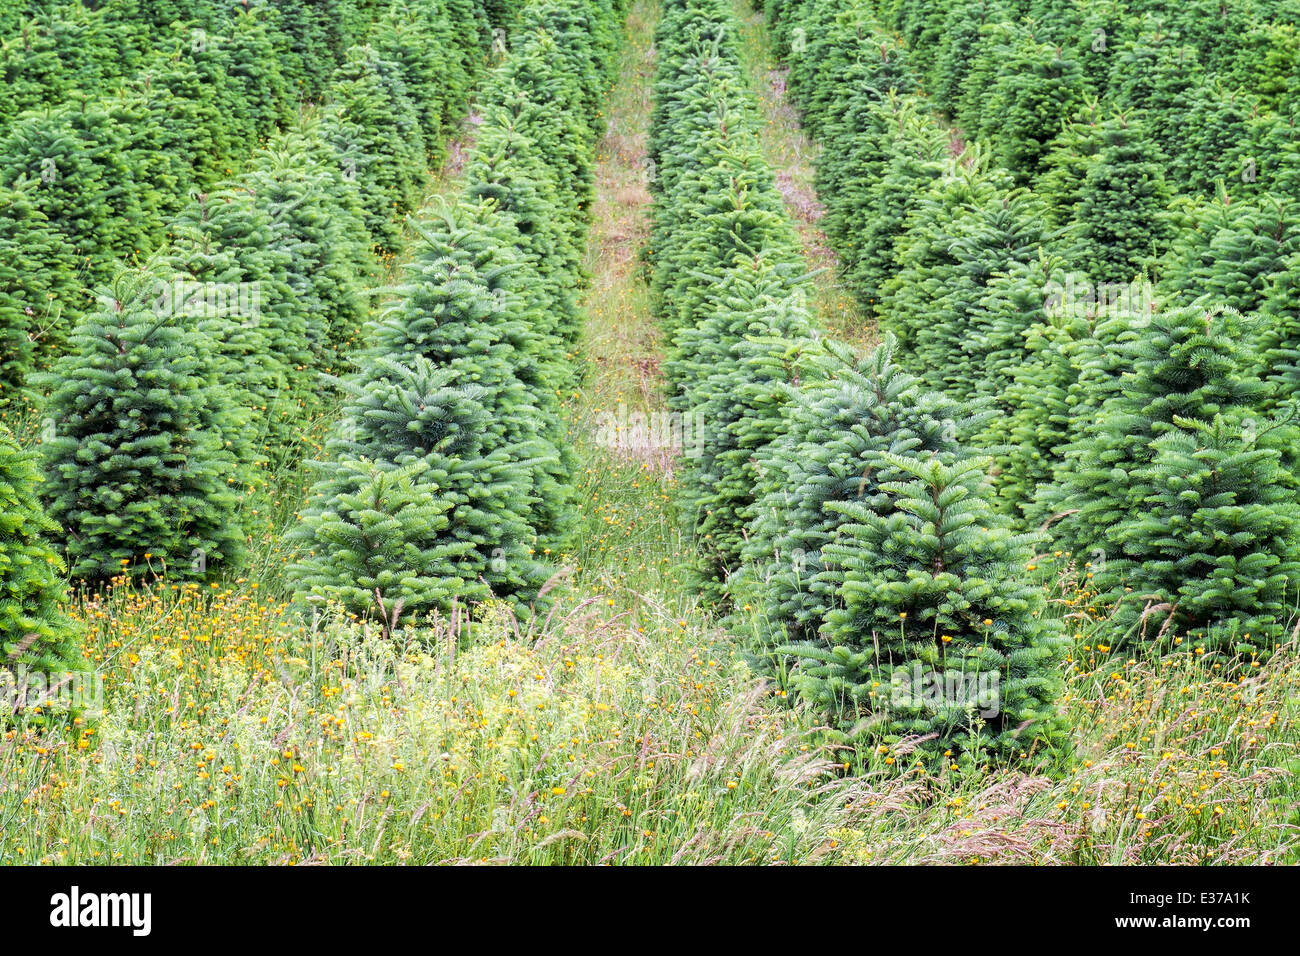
[(100, 177), (1211, 76), (195, 367), (1148, 427), (449, 478), (833, 499), (50, 52)]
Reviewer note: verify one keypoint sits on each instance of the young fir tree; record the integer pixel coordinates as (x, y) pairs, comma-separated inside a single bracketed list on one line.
[(230, 280), (734, 369), (1213, 28), (1156, 73), (995, 339), (1048, 336), (1065, 166), (1093, 37), (997, 36), (1179, 391), (834, 430), (873, 209), (1267, 63), (959, 45), (463, 306), (138, 464), (1277, 338), (839, 66), (1213, 549), (86, 187), (192, 133), (34, 632), (307, 39), (375, 127), (970, 228), (508, 170), (1037, 87), (1230, 251), (411, 39), (418, 505), (1121, 228), (1215, 138), (319, 229), (37, 284), (252, 89), (936, 632)]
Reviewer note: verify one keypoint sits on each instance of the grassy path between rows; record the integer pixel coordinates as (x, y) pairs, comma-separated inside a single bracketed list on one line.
[(792, 156)]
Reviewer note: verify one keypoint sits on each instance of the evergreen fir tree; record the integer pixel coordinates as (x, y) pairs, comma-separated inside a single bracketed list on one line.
[(1230, 251), (413, 508), (463, 307), (1215, 138), (1213, 545), (231, 282), (917, 154), (970, 227), (834, 429), (1119, 214), (1178, 390), (37, 285), (138, 464), (1071, 154), (933, 606), (1037, 87), (1156, 73), (86, 187), (35, 634), (375, 127), (320, 230)]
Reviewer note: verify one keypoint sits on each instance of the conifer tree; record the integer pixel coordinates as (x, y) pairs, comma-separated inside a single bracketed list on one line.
[(318, 226), (961, 37), (37, 283), (1215, 138), (1119, 213), (916, 156), (1183, 389), (1214, 545), (86, 188), (970, 227), (231, 282), (1277, 338), (414, 508), (1037, 87), (375, 127), (996, 37), (933, 608), (34, 631), (735, 368), (834, 429), (1070, 155), (1230, 250), (1155, 73), (138, 464), (253, 91), (185, 113), (463, 307)]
